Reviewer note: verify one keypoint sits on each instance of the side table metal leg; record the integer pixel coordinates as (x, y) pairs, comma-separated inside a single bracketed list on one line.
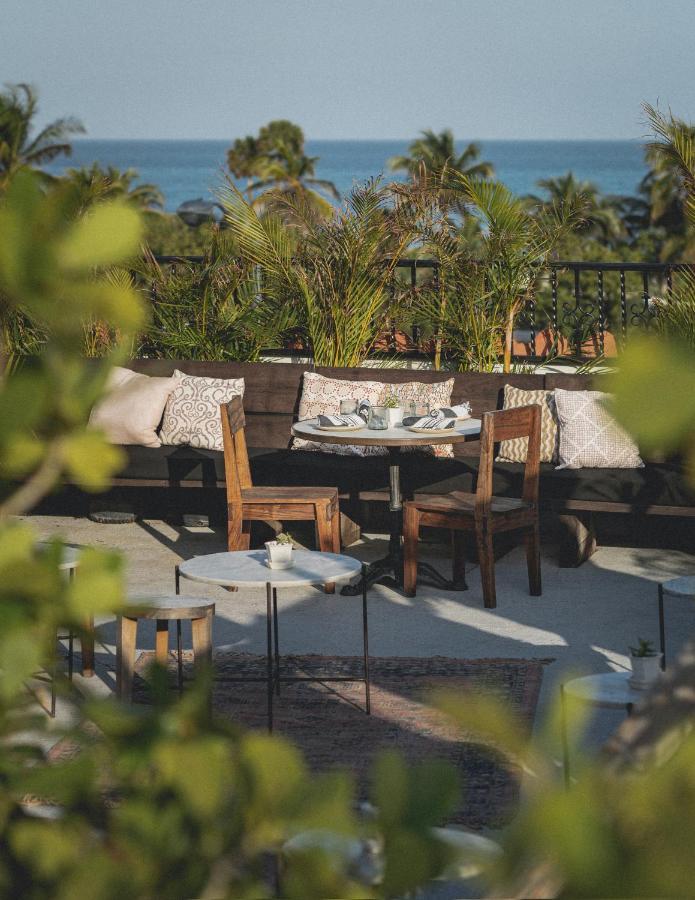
[(565, 741), (277, 642), (662, 627), (365, 637), (269, 651), (177, 579)]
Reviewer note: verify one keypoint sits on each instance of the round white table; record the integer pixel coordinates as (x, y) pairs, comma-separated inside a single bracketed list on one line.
[(249, 568), (394, 439), (609, 690)]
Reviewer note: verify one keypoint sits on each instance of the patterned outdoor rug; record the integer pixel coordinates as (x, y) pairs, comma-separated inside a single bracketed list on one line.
[(327, 720)]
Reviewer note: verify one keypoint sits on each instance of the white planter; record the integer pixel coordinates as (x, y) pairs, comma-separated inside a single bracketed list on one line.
[(280, 556), (395, 415), (645, 671)]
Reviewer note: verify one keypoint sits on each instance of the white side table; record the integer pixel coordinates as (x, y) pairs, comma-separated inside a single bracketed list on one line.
[(609, 690), (681, 589), (249, 568)]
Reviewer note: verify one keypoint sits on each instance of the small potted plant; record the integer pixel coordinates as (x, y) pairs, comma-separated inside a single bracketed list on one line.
[(394, 410), (646, 664), (280, 552)]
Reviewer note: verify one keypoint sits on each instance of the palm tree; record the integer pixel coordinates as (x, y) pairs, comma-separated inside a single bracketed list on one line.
[(668, 185), (97, 184), (437, 151), (18, 147), (601, 218), (275, 162)]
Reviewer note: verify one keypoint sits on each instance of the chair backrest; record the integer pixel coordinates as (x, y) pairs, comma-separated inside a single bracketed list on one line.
[(505, 425), (237, 471)]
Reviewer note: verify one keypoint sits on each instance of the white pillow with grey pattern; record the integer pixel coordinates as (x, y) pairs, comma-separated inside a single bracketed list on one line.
[(590, 438), (192, 413)]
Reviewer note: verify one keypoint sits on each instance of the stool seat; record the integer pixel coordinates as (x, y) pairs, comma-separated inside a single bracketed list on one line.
[(168, 606), (680, 587)]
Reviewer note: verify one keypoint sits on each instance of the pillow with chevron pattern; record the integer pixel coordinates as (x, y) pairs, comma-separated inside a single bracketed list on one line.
[(515, 449)]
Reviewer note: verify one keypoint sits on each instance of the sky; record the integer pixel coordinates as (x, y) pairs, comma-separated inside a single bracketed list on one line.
[(369, 69)]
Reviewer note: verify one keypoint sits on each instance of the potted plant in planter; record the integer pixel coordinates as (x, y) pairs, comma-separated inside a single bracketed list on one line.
[(394, 410), (646, 664), (280, 552)]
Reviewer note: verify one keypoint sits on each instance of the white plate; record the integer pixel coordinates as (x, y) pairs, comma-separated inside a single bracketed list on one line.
[(436, 431), (339, 427)]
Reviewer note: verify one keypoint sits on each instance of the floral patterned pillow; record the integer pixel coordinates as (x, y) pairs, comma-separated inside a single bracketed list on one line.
[(192, 413), (322, 396)]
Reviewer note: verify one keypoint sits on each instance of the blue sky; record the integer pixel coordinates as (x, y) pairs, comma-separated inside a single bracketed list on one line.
[(353, 68)]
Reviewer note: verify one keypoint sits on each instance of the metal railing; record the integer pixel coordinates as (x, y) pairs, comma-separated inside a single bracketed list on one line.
[(582, 309)]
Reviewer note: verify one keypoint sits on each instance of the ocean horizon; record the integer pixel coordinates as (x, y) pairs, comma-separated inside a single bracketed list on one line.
[(187, 169)]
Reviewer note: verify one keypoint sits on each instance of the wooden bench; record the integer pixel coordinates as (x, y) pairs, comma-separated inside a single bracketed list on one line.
[(271, 405)]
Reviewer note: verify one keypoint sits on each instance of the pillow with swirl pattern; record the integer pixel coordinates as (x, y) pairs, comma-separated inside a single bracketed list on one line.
[(192, 413)]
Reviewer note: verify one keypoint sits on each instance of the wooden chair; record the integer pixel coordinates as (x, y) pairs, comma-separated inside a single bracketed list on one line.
[(481, 512), (246, 504)]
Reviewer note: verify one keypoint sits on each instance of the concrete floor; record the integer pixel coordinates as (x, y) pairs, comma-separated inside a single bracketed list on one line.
[(584, 621)]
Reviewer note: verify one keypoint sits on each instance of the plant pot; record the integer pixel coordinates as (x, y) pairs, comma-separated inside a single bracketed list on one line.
[(645, 671), (394, 415), (280, 555)]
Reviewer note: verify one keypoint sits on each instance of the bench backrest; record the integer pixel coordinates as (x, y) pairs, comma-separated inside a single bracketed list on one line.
[(273, 390)]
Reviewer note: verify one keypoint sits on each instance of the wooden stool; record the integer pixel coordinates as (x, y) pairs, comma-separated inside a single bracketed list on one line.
[(197, 610)]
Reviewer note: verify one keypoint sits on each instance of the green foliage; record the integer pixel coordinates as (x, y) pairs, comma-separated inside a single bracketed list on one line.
[(275, 164), (158, 800), (96, 184), (335, 273), (211, 310), (19, 148), (167, 235), (643, 648)]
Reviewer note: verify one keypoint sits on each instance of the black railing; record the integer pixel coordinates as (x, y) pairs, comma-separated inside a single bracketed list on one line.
[(582, 309)]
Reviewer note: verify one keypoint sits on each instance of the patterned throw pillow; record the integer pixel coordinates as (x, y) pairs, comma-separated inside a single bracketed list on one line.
[(589, 436), (192, 413), (322, 396), (515, 450)]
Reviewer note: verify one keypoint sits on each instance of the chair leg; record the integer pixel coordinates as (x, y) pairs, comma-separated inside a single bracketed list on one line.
[(458, 568), (87, 647), (324, 533), (238, 531), (533, 560), (486, 558), (411, 535)]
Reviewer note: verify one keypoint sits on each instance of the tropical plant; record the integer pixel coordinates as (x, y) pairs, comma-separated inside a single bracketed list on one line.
[(438, 151), (479, 296), (275, 162), (336, 273), (668, 184), (211, 309), (97, 183), (19, 148), (602, 215)]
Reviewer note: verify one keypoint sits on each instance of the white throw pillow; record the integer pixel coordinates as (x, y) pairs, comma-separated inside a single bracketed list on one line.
[(589, 436), (132, 407), (322, 396), (192, 414)]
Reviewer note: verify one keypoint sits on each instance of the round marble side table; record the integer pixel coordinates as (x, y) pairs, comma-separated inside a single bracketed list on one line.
[(249, 568), (609, 690)]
